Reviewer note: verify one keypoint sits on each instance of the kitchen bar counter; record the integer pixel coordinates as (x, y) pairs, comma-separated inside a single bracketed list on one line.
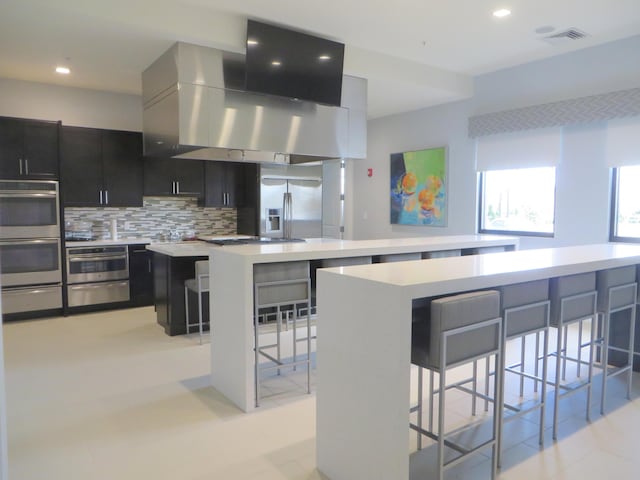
[(363, 380), (231, 282)]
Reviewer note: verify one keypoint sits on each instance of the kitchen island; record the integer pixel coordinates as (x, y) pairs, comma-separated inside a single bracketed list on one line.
[(173, 263), (363, 386), (231, 284)]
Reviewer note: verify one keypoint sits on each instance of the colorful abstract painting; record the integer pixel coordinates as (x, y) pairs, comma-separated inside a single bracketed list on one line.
[(418, 187)]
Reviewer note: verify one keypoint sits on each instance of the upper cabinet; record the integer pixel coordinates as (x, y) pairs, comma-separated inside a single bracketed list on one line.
[(28, 149), (229, 184), (101, 168), (173, 176)]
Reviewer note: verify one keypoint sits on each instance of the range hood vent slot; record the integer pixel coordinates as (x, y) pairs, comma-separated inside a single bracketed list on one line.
[(565, 36)]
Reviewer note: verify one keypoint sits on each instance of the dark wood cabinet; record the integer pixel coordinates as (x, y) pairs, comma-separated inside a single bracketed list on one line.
[(140, 275), (80, 167), (28, 149), (123, 168), (229, 184), (173, 176), (101, 168)]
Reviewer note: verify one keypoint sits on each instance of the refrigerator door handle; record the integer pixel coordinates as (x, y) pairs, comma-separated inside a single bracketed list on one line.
[(287, 214)]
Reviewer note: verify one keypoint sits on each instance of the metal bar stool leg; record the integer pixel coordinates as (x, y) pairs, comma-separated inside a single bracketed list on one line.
[(186, 307), (200, 313), (604, 358), (564, 349), (419, 419), (556, 396), (536, 361)]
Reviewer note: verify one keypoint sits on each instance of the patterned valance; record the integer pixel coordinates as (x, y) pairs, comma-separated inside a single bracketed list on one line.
[(595, 108)]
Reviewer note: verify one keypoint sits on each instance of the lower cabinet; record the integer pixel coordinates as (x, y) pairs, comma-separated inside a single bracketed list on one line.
[(140, 275), (169, 274)]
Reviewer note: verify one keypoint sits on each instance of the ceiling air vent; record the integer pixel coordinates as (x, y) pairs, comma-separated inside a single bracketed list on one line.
[(565, 36)]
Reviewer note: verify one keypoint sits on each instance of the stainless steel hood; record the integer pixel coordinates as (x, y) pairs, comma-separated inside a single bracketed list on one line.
[(195, 107)]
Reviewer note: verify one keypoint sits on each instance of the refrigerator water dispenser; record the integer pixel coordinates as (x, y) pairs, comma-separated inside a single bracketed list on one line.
[(273, 220)]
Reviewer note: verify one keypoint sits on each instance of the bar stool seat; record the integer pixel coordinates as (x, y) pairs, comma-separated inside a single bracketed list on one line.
[(199, 285), (617, 292), (442, 254), (399, 257), (461, 329)]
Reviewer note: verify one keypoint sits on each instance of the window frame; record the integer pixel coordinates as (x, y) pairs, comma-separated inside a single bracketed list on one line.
[(520, 233), (613, 211)]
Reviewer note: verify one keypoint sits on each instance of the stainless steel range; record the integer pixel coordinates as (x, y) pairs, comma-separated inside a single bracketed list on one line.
[(30, 261), (97, 275)]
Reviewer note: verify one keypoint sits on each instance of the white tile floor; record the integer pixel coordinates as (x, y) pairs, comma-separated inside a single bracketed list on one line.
[(110, 396)]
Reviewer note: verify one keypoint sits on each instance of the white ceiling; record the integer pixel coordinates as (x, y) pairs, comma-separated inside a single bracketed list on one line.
[(415, 53)]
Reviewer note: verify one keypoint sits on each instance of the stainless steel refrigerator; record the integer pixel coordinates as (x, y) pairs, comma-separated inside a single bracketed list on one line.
[(291, 201)]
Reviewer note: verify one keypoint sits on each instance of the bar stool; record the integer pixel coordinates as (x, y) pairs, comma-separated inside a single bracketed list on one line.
[(573, 299), (199, 285), (461, 329), (283, 286), (617, 292), (525, 309)]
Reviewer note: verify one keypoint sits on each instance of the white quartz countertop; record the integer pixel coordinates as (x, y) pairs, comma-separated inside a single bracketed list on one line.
[(318, 248), (191, 248), (313, 248), (194, 248), (102, 243), (485, 271)]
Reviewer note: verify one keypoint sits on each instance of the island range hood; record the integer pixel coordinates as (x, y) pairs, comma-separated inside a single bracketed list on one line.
[(195, 106)]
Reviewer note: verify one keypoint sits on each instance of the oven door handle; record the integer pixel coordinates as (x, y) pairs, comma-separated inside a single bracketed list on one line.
[(23, 194), (53, 241), (94, 285), (97, 258)]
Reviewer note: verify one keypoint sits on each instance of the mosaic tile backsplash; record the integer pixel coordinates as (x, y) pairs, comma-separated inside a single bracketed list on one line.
[(157, 218)]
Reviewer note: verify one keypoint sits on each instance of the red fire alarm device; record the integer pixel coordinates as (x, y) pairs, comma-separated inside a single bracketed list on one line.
[(369, 172)]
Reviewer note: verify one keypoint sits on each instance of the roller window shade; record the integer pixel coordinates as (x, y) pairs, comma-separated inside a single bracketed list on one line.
[(526, 149), (623, 142)]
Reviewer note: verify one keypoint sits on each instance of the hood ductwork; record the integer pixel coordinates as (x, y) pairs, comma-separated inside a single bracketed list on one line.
[(195, 107)]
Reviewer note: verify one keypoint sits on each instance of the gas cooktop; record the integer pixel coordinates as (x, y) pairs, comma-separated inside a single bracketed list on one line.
[(253, 241)]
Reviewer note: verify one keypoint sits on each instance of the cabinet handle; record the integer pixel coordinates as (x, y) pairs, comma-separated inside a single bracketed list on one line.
[(26, 166), (149, 263), (20, 161), (178, 188), (100, 197), (173, 188), (106, 197)]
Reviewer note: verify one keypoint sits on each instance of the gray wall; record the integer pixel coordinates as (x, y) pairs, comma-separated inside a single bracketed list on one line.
[(4, 474), (582, 190), (74, 106)]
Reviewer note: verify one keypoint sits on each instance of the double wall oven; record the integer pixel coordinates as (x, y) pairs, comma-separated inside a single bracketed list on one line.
[(30, 255)]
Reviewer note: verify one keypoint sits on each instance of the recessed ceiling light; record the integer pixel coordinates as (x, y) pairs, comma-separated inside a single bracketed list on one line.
[(324, 58), (276, 63), (251, 41), (503, 12), (63, 70)]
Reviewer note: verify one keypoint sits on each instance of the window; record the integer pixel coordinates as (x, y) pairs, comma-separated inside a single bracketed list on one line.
[(625, 204), (520, 201)]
